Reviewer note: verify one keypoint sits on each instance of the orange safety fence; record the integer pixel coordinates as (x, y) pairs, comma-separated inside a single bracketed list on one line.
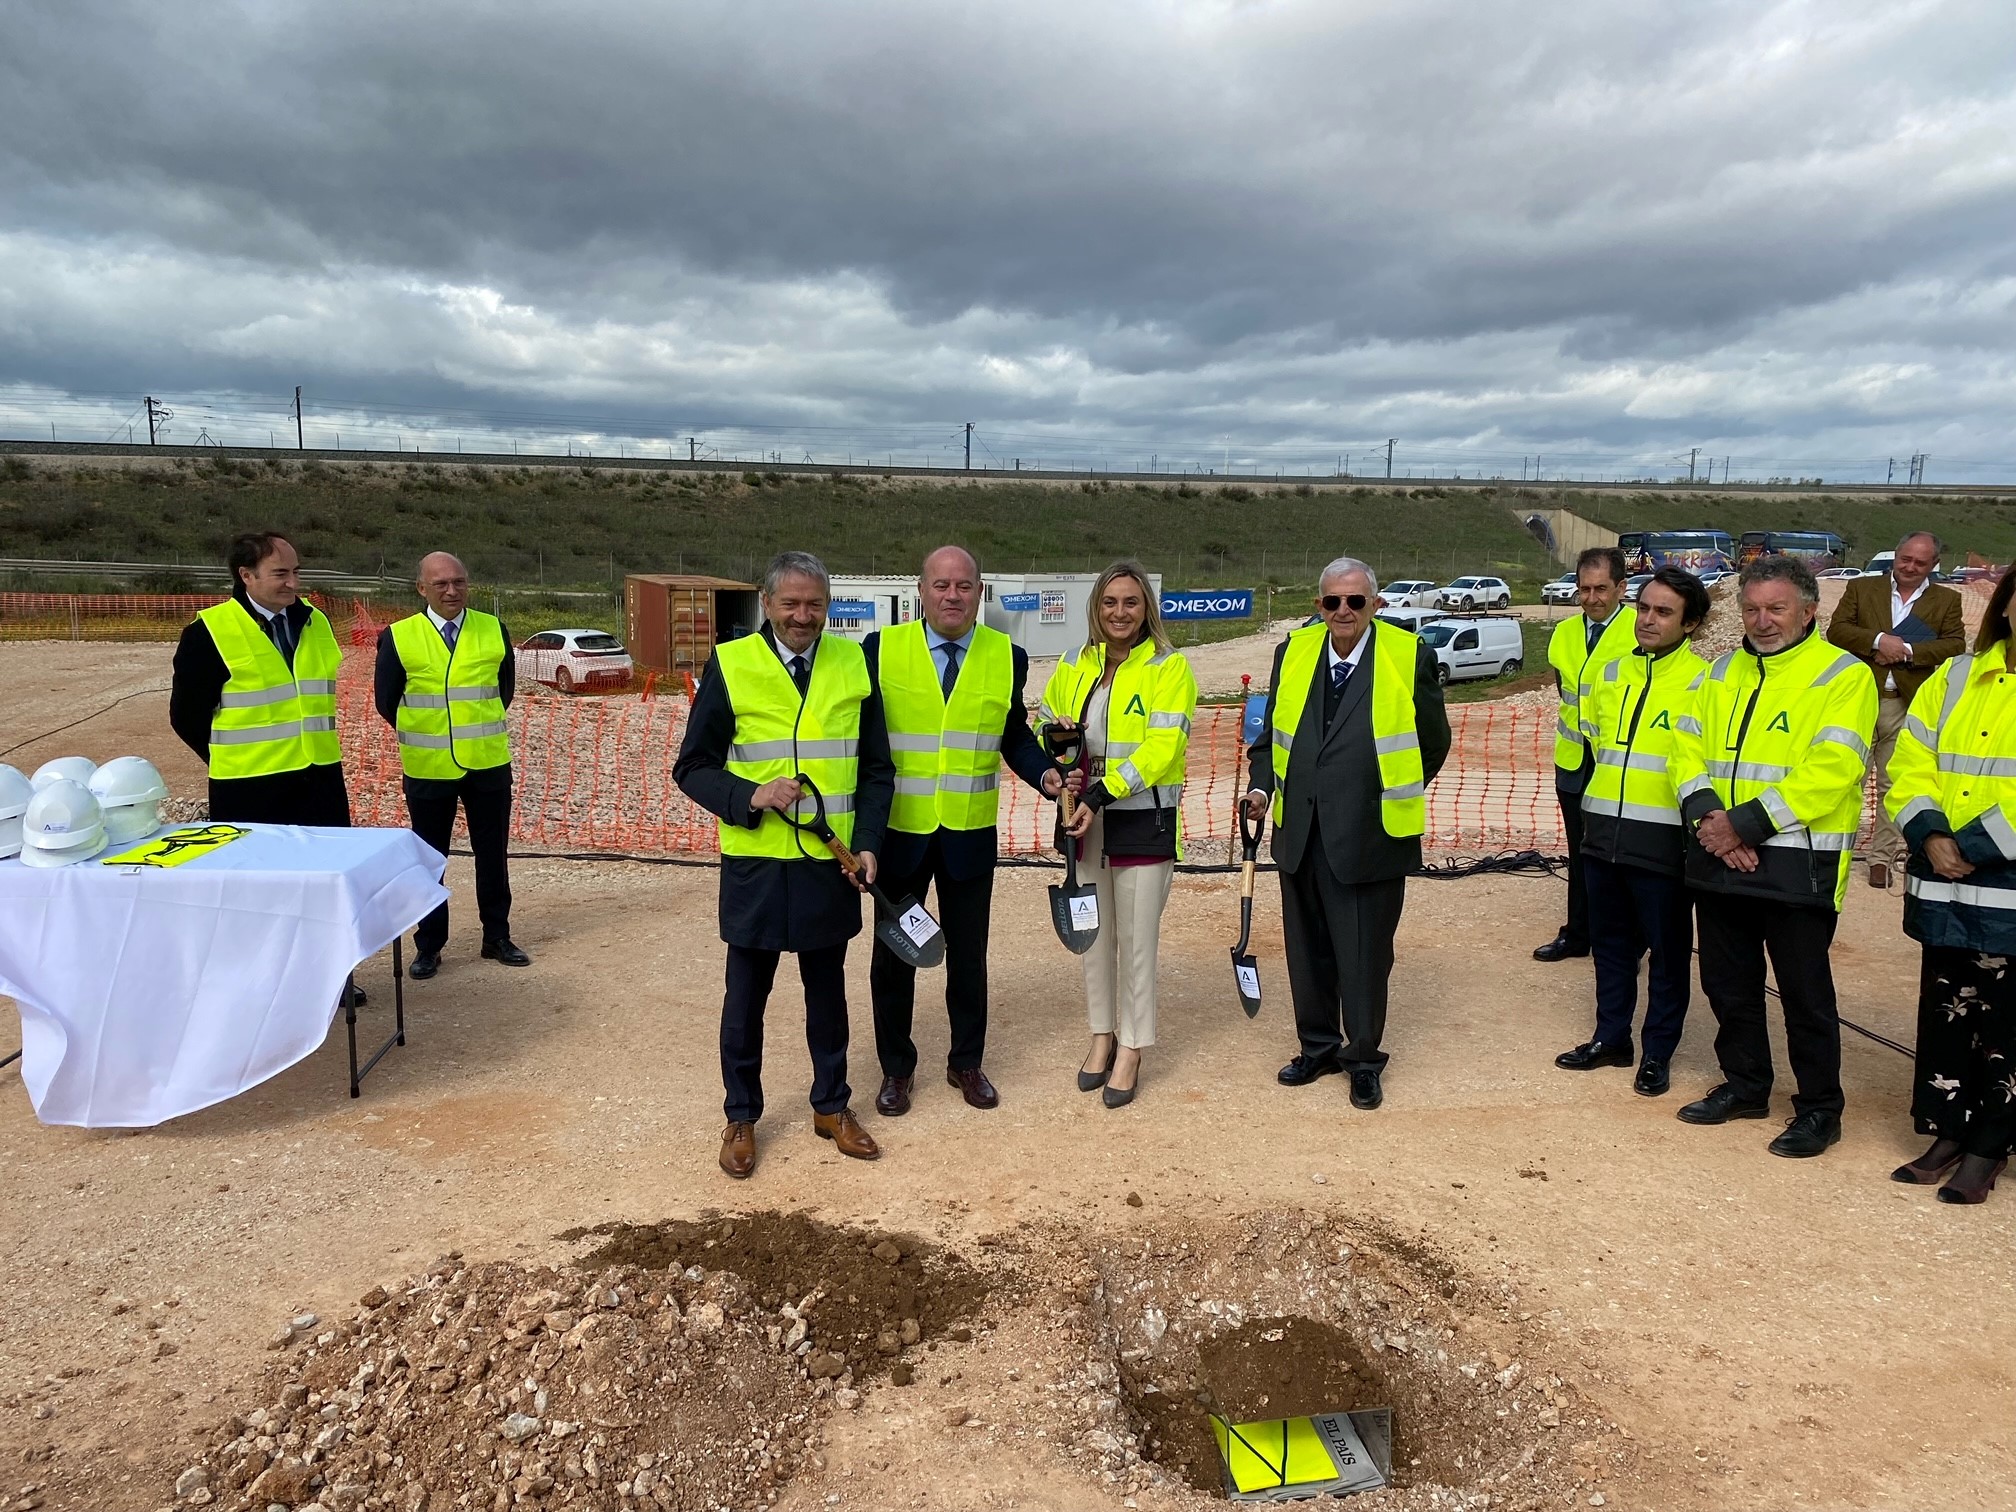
[(132, 616)]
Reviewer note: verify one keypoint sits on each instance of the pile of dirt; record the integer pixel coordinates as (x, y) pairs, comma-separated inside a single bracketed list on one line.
[(680, 1366)]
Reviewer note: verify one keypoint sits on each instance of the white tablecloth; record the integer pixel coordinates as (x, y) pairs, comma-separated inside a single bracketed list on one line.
[(146, 993)]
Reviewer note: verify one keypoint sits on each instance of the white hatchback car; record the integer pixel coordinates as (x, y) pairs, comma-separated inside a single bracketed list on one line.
[(1408, 593), (573, 660), (1560, 591), (1468, 593)]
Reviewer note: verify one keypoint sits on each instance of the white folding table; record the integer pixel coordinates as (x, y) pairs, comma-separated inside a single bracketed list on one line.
[(149, 992)]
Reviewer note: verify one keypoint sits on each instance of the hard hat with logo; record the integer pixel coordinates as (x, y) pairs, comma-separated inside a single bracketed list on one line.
[(61, 825), (130, 792), (77, 769), (15, 791)]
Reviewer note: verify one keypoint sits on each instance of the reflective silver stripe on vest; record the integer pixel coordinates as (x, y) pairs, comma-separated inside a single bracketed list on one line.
[(324, 685), (1169, 722), (1407, 740), (1842, 664), (422, 701), (1720, 671), (263, 696), (1748, 771), (1812, 840), (1562, 727), (1840, 735), (920, 743), (1919, 806), (1958, 671), (782, 750), (1977, 766), (1919, 729), (1121, 748), (1634, 761), (1284, 738), (1971, 895), (1687, 724), (1695, 785), (1998, 828), (1159, 797), (961, 740), (951, 782), (836, 803), (1644, 813), (1779, 810), (424, 742), (313, 725), (916, 787), (1131, 775), (479, 731), (1404, 791), (471, 695)]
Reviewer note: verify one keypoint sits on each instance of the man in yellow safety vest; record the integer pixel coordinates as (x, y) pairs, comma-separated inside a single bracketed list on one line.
[(1770, 790), (792, 701), (1576, 651), (950, 690), (445, 678), (1632, 710), (254, 694)]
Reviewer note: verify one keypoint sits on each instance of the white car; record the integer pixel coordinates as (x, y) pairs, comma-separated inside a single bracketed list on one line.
[(572, 660), (1715, 575), (1560, 591), (1408, 593), (1474, 647), (1839, 574), (1634, 585), (1468, 593), (1410, 619)]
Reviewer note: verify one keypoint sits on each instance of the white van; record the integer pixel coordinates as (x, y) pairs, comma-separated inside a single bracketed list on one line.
[(1467, 646)]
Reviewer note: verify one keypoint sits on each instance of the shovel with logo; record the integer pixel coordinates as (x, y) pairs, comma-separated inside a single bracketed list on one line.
[(903, 926), (1245, 970), (1074, 907)]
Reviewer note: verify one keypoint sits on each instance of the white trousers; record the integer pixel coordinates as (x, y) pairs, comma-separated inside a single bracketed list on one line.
[(1120, 966)]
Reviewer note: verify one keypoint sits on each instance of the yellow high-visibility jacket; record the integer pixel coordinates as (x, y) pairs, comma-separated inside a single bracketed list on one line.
[(1148, 713), (1632, 713)]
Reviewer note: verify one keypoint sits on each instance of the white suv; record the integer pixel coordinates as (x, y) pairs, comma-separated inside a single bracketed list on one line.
[(1408, 593), (1560, 591), (1468, 593)]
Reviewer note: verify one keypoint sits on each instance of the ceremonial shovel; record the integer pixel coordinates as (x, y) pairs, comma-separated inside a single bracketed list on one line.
[(1074, 907), (1245, 970), (903, 926)]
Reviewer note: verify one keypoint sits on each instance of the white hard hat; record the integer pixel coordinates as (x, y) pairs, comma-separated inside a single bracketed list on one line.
[(130, 792), (62, 825), (77, 769), (15, 791)]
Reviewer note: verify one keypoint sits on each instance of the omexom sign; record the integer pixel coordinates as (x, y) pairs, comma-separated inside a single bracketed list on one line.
[(1208, 603)]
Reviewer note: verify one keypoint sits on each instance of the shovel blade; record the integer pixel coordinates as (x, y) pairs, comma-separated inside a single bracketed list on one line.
[(1246, 977), (911, 933), (1074, 914)]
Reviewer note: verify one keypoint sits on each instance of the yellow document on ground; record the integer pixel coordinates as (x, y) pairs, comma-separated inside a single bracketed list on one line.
[(1285, 1458), (178, 846)]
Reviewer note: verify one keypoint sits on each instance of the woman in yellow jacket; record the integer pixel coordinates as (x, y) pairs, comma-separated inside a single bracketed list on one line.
[(1133, 695)]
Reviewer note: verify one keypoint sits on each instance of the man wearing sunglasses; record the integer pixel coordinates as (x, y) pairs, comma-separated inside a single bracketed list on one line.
[(1354, 733)]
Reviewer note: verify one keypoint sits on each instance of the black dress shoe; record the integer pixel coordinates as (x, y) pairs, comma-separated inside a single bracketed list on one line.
[(425, 964), (1722, 1104), (1365, 1091), (1595, 1053), (1301, 1071), (1808, 1134), (893, 1101), (1560, 948), (1652, 1079), (505, 952)]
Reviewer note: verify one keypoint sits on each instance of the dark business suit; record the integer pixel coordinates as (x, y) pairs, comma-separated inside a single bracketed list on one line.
[(1343, 878), (307, 795), (960, 864)]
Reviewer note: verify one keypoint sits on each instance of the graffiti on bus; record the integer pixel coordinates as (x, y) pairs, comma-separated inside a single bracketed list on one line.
[(1818, 549), (1695, 550)]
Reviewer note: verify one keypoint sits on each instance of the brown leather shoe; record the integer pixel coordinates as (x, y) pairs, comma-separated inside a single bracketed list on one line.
[(979, 1091), (738, 1149), (1879, 874), (845, 1130), (893, 1101)]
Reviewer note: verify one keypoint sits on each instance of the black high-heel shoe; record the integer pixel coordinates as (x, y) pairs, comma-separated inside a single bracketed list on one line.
[(1092, 1081), (1926, 1170), (1119, 1097), (1973, 1181)]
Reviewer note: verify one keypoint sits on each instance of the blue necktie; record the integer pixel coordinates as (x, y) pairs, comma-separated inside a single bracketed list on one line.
[(278, 627), (1339, 675), (951, 674), (449, 630)]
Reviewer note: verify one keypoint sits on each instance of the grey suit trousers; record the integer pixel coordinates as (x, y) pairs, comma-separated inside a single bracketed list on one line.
[(1339, 939)]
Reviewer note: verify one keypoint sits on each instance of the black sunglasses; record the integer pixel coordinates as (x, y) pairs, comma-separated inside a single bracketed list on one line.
[(1330, 601)]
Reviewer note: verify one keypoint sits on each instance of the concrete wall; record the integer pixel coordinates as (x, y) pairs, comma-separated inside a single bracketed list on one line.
[(1571, 534)]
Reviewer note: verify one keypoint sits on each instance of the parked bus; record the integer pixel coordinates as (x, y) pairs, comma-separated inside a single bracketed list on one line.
[(1818, 549), (1695, 550)]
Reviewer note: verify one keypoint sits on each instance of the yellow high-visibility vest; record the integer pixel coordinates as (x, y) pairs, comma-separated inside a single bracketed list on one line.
[(1574, 664), (1148, 713), (1396, 739), (947, 752), (451, 716), (779, 735), (271, 718)]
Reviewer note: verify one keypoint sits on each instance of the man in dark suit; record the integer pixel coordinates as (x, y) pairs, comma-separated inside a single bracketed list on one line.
[(950, 693), (1354, 732), (1866, 623)]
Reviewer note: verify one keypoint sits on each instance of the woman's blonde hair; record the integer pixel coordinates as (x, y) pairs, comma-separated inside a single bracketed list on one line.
[(1151, 626)]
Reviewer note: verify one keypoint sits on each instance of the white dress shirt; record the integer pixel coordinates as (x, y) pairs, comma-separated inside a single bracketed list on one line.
[(1899, 607)]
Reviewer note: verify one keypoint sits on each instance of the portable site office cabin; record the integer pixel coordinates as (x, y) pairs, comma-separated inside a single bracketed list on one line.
[(863, 603), (672, 621), (1043, 612)]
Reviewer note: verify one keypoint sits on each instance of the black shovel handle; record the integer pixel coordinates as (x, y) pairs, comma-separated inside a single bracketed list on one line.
[(818, 825)]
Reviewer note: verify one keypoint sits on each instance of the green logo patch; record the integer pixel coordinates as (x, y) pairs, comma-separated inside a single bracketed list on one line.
[(1661, 722), (1780, 723), (1134, 707)]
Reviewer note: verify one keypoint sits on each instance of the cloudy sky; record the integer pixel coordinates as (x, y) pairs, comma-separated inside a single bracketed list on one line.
[(1225, 230)]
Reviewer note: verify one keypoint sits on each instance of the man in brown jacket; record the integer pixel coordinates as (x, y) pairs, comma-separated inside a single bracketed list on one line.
[(1865, 623)]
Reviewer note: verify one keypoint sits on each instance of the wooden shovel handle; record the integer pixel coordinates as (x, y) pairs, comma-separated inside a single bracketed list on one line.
[(1246, 878)]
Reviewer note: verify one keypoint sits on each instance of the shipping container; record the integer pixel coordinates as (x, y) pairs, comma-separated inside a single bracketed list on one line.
[(672, 621)]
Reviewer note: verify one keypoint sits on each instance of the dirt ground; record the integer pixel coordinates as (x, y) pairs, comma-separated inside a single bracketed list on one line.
[(1569, 1297)]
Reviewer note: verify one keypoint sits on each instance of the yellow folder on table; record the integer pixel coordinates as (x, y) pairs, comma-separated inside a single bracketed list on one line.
[(178, 846)]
